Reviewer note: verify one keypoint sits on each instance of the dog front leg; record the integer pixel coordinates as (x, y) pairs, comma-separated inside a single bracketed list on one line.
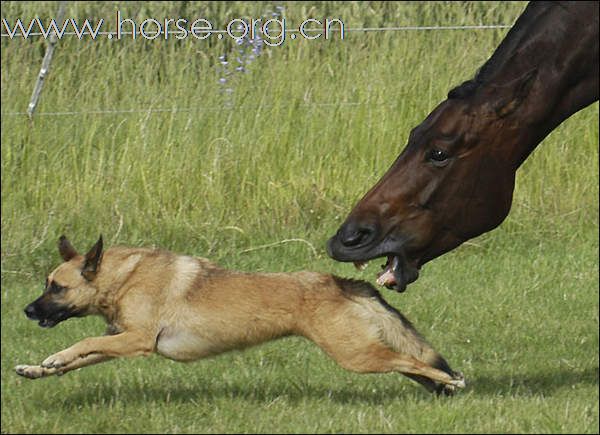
[(113, 346), (35, 372)]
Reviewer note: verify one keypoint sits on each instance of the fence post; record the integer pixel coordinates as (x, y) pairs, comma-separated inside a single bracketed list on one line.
[(37, 90)]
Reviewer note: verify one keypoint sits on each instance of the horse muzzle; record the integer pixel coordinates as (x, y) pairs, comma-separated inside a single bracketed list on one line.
[(362, 243)]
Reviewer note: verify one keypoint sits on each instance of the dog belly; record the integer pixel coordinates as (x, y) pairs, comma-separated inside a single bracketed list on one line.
[(183, 345)]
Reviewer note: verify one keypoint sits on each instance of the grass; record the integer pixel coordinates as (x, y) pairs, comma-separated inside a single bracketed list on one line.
[(313, 125)]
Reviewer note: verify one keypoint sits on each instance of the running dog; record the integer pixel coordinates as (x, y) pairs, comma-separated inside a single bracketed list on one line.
[(186, 308)]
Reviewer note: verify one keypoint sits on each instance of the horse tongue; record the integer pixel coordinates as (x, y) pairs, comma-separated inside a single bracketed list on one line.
[(387, 278), (394, 275)]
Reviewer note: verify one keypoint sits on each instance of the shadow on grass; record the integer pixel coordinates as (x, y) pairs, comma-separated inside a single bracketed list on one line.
[(184, 391), (262, 394), (529, 385)]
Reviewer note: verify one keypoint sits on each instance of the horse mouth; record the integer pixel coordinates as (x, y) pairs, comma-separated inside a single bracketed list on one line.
[(399, 270), (396, 273)]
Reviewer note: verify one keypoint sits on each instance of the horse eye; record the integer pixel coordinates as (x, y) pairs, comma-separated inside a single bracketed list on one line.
[(438, 157)]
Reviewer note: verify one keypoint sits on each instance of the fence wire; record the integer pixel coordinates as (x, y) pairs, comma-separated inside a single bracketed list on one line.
[(198, 109)]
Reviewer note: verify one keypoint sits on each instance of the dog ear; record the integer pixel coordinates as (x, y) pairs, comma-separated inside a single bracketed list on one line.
[(515, 93), (92, 261), (67, 251)]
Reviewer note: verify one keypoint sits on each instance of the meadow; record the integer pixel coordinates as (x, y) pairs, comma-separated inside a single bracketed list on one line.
[(158, 143)]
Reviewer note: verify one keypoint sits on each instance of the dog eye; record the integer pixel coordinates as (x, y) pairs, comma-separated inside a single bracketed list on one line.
[(55, 288)]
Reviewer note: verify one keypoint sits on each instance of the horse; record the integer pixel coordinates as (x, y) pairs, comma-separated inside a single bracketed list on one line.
[(455, 178)]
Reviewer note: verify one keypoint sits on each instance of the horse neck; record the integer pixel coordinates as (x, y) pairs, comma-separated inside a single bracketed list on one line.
[(559, 42)]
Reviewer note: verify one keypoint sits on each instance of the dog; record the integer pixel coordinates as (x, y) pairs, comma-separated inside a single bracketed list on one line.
[(186, 308)]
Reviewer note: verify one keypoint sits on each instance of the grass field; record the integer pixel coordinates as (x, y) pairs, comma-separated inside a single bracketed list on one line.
[(257, 178)]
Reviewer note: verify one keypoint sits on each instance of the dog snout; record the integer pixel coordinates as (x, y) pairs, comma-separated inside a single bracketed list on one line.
[(31, 312)]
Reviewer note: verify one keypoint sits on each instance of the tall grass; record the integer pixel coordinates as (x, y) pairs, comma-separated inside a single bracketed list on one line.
[(260, 185)]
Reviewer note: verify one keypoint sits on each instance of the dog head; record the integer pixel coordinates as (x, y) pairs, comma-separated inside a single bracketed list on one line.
[(70, 289)]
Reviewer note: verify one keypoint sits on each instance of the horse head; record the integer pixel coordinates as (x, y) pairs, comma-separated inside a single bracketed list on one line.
[(454, 180)]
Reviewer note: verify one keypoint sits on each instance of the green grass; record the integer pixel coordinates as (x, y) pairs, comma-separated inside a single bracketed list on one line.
[(261, 186)]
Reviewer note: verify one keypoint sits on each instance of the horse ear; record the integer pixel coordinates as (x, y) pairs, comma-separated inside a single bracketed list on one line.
[(514, 93), (92, 261), (65, 249)]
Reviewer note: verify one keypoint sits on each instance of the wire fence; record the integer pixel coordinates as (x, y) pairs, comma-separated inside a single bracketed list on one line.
[(150, 110), (198, 109)]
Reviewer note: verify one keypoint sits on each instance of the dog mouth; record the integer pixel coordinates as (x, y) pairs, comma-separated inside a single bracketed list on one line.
[(52, 319), (397, 272), (58, 317), (48, 323)]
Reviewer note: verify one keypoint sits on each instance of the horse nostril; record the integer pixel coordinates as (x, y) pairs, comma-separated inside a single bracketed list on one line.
[(354, 235)]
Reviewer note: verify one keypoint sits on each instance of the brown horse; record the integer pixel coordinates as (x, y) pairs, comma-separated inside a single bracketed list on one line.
[(455, 178)]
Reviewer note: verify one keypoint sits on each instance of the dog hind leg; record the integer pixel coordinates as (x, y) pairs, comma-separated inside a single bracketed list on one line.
[(364, 334), (374, 357)]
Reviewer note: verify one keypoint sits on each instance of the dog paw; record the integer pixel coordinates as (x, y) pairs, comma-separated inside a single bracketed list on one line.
[(459, 380), (30, 372), (449, 389), (56, 361)]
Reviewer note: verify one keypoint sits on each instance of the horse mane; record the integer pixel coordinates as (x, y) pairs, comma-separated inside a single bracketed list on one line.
[(519, 34), (464, 90)]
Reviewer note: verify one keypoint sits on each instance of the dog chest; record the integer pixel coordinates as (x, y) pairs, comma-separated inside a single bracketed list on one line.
[(183, 345)]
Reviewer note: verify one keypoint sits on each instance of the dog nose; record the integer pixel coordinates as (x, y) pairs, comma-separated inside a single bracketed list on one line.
[(30, 311)]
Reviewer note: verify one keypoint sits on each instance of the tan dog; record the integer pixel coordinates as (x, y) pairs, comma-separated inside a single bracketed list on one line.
[(187, 308)]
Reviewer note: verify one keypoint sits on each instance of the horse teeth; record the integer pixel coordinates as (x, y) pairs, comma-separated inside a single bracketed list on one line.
[(386, 278), (361, 265)]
